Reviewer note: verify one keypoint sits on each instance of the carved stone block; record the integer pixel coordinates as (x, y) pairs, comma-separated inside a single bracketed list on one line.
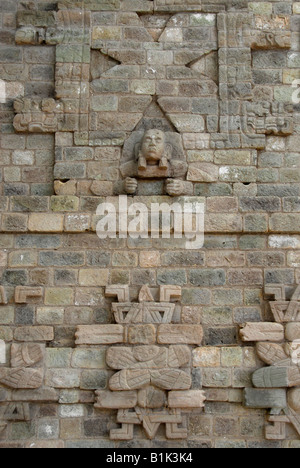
[(168, 292), (186, 399), (277, 291), (21, 378), (26, 355), (292, 331), (257, 398), (146, 312), (271, 353), (152, 397), (25, 295), (99, 334), (142, 334), (262, 332), (276, 377), (116, 400), (172, 334), (118, 290)]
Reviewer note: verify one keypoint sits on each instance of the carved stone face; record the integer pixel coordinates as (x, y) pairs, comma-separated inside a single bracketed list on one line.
[(153, 146)]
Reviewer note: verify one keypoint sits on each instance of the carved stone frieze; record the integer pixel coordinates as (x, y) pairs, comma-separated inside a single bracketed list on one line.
[(277, 386), (151, 384)]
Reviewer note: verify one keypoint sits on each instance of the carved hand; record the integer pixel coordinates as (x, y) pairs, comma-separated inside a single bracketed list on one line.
[(175, 188), (131, 186)]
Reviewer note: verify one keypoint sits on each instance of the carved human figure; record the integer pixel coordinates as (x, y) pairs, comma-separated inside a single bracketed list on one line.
[(154, 161)]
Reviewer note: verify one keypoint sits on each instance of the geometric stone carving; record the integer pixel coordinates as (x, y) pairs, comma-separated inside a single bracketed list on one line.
[(119, 290), (262, 332), (149, 387), (145, 312), (24, 294), (15, 412), (167, 292), (287, 311), (277, 291), (3, 297)]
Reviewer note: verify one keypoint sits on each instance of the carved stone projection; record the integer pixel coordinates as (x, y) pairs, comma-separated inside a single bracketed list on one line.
[(22, 374), (152, 385), (277, 386), (156, 155)]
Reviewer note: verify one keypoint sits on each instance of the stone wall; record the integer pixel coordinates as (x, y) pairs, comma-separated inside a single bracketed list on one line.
[(83, 83)]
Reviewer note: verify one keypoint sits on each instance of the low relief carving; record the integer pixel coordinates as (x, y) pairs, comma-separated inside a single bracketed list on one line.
[(22, 374), (152, 385), (277, 386), (37, 116), (155, 155)]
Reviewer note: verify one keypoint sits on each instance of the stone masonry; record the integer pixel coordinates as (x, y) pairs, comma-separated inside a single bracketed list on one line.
[(132, 342)]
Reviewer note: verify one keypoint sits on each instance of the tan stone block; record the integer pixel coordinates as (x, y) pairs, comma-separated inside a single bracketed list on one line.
[(99, 334), (191, 314), (207, 357), (176, 334), (262, 332), (93, 277), (31, 334), (116, 400), (41, 222), (26, 295), (150, 259), (186, 399), (142, 334)]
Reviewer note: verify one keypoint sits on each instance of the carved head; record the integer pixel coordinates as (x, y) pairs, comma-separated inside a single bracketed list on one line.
[(154, 150)]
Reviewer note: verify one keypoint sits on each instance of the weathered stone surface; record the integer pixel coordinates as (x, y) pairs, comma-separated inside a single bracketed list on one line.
[(21, 378), (142, 334), (99, 334), (257, 398), (116, 400), (32, 334), (26, 355), (173, 334), (187, 399), (292, 331), (262, 332)]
